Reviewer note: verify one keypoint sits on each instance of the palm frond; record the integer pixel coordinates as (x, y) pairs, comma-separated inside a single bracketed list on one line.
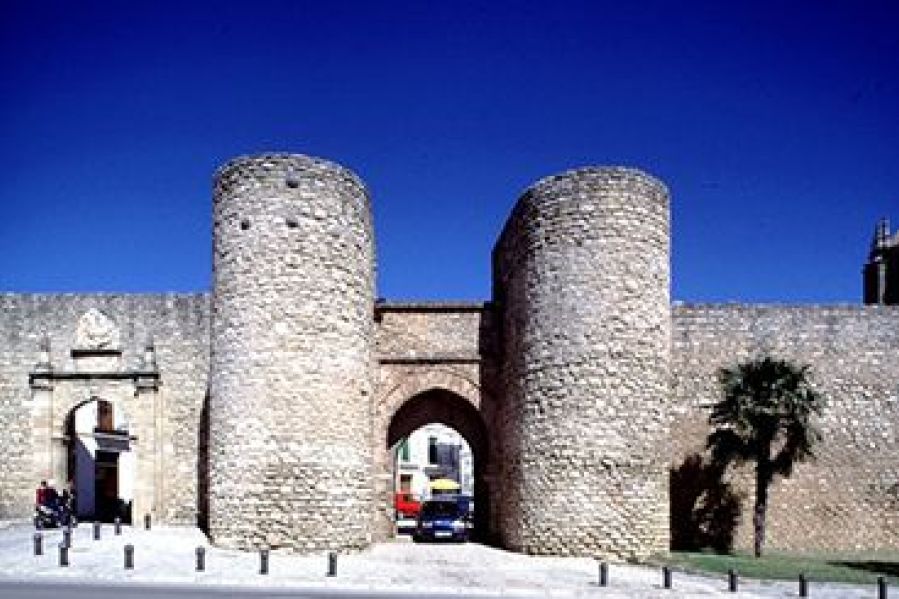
[(728, 447), (765, 402)]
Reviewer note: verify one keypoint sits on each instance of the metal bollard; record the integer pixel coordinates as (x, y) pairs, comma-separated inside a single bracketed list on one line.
[(147, 521), (332, 564), (263, 561), (63, 554), (67, 537), (118, 525), (666, 577), (803, 585), (732, 581), (881, 587), (96, 531), (201, 559), (603, 574), (129, 557), (38, 544)]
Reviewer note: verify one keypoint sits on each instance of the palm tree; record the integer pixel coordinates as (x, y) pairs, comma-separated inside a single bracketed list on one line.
[(764, 417)]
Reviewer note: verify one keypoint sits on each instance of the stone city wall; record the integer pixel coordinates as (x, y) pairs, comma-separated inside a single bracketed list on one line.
[(849, 497), (577, 369), (178, 324)]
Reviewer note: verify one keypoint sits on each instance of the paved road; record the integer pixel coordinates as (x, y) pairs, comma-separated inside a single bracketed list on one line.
[(80, 590)]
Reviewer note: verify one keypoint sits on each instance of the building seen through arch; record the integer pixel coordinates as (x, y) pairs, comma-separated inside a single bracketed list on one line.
[(426, 463), (437, 437)]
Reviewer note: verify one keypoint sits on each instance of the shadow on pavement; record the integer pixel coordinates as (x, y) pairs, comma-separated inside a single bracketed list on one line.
[(876, 566)]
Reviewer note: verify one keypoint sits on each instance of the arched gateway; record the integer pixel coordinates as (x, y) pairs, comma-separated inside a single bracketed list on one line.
[(435, 363), (95, 422), (425, 396)]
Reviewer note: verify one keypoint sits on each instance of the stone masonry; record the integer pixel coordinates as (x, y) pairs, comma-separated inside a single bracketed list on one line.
[(292, 355), (581, 279), (267, 409), (848, 498), (163, 403)]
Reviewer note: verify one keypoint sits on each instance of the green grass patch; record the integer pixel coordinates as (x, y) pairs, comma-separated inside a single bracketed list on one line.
[(855, 568)]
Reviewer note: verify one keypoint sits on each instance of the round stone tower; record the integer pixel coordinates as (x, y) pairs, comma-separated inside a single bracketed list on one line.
[(292, 355), (581, 277)]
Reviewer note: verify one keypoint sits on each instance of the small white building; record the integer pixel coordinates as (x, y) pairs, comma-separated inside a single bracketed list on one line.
[(432, 452)]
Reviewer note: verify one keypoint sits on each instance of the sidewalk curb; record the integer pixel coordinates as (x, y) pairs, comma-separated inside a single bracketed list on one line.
[(337, 588)]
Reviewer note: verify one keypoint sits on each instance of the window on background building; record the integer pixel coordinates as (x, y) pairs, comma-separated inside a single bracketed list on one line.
[(405, 483), (404, 450), (104, 416), (433, 457)]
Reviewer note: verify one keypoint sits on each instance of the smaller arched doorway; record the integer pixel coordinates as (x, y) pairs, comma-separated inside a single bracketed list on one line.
[(443, 407), (100, 461)]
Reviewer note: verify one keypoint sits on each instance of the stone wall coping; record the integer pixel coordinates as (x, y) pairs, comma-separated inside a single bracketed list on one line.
[(80, 352), (469, 305), (432, 306), (772, 306), (431, 359), (57, 375), (103, 294)]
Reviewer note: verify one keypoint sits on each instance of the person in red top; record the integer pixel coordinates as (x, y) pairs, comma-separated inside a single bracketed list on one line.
[(40, 496)]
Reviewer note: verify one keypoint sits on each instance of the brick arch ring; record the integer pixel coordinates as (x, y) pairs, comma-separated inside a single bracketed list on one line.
[(395, 394)]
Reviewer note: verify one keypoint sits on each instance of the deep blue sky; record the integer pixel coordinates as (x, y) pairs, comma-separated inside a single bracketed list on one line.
[(775, 125)]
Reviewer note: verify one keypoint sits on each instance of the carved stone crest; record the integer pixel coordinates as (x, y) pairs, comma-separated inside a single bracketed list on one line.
[(96, 331)]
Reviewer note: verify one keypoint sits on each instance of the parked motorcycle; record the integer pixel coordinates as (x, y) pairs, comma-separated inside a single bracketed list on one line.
[(46, 517)]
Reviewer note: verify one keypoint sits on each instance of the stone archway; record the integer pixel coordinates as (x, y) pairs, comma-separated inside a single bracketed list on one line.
[(100, 460), (402, 383), (412, 398), (447, 408), (97, 370)]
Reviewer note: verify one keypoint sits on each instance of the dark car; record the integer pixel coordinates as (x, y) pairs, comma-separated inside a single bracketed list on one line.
[(441, 520)]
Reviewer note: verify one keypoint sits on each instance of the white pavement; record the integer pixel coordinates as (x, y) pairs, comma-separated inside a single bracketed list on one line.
[(167, 555)]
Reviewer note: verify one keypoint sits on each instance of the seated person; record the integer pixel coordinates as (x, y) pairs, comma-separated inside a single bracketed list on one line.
[(40, 496), (51, 498)]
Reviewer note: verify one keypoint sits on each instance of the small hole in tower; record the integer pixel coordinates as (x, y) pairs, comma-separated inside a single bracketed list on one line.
[(292, 182), (244, 224), (292, 223)]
